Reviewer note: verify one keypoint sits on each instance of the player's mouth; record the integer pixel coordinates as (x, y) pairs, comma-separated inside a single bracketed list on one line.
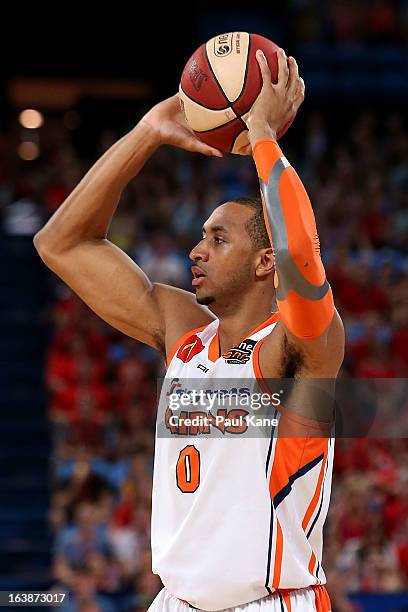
[(198, 276)]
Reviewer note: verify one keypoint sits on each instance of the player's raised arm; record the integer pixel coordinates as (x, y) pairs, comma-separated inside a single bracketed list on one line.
[(303, 294), (74, 245)]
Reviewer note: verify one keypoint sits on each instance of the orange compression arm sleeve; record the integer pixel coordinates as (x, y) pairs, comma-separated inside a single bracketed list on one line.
[(303, 295)]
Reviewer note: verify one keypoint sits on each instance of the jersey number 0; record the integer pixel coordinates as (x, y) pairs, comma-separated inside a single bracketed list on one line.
[(188, 469)]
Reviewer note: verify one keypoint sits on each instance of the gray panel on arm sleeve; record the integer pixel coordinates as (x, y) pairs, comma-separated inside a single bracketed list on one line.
[(288, 273)]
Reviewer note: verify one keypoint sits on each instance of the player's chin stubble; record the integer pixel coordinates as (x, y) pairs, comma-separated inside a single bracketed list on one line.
[(205, 301), (238, 282)]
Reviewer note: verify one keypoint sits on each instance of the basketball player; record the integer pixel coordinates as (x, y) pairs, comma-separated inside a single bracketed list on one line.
[(236, 523)]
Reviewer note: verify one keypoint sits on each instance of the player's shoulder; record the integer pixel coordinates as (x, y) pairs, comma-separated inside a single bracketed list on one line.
[(180, 313)]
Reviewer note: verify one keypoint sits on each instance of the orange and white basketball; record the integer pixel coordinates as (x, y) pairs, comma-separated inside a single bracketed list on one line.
[(219, 85)]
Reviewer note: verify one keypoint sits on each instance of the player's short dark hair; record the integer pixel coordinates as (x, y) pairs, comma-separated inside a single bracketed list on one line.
[(255, 226)]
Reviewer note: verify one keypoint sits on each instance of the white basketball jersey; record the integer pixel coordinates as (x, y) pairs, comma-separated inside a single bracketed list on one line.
[(234, 518)]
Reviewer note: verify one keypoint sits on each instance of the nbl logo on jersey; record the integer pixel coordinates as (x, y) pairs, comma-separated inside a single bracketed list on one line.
[(240, 354), (191, 347)]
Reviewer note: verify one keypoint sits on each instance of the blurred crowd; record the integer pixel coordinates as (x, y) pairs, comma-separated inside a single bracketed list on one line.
[(102, 385), (346, 22)]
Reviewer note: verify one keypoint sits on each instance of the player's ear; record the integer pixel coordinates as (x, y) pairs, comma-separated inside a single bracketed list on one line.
[(265, 263)]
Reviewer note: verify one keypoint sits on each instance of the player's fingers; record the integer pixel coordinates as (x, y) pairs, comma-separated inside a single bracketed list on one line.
[(206, 150), (196, 146), (263, 65), (299, 89), (296, 104), (300, 96), (293, 79), (302, 87), (283, 70)]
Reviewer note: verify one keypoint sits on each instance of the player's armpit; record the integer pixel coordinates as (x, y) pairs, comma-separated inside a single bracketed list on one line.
[(303, 294), (321, 356), (282, 355)]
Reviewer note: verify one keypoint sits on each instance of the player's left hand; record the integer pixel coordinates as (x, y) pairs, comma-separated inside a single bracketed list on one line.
[(170, 127), (277, 104)]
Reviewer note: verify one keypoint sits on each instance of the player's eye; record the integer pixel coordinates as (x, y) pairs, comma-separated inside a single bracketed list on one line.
[(218, 240)]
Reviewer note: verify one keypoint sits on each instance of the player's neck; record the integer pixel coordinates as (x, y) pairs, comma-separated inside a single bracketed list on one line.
[(235, 326)]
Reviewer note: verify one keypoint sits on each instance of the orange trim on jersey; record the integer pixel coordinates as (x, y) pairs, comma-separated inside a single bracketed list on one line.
[(278, 556), (290, 455), (214, 348), (179, 342), (272, 319), (257, 368), (315, 498), (255, 355), (287, 457), (312, 563)]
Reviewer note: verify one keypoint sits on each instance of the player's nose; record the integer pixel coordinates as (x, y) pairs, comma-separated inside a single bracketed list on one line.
[(199, 253)]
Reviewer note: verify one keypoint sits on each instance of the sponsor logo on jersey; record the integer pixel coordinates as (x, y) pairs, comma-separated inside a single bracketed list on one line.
[(240, 354), (191, 347)]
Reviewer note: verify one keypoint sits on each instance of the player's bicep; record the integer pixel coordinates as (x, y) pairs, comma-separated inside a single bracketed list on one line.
[(113, 286)]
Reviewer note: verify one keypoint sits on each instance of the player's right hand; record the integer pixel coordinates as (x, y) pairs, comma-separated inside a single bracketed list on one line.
[(170, 127), (277, 104)]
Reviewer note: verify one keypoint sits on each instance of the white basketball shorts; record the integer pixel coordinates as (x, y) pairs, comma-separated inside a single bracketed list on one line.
[(311, 599)]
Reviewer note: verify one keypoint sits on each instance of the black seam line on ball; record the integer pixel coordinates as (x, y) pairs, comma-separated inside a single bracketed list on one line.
[(220, 87), (201, 104), (219, 126), (222, 125), (237, 136)]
